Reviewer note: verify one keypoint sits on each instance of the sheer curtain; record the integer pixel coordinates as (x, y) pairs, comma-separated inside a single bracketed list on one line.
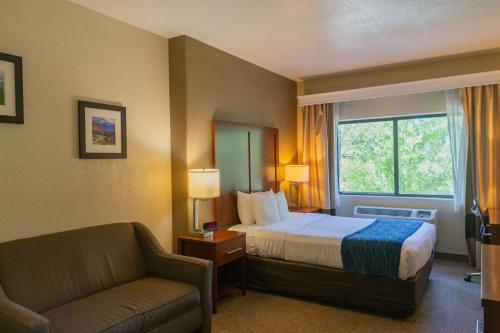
[(457, 129), (319, 152)]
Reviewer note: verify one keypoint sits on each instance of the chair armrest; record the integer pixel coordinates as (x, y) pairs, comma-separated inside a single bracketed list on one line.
[(190, 270), (181, 268), (17, 319)]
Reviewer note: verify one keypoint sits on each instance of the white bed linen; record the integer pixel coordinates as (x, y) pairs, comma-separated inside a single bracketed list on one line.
[(317, 238), (250, 231)]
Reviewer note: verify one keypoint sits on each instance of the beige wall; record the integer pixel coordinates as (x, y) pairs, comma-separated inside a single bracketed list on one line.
[(404, 105), (70, 53), (207, 84), (477, 62)]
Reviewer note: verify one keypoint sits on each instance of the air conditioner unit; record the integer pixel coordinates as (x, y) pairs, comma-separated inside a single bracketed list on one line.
[(425, 215)]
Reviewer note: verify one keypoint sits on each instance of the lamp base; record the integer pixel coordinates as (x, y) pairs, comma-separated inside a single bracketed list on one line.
[(195, 227), (290, 194), (195, 232), (201, 234)]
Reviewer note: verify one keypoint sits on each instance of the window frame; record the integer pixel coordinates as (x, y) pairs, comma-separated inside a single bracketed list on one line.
[(395, 152)]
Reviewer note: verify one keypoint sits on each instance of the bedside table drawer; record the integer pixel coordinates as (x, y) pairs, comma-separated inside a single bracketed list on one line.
[(231, 250)]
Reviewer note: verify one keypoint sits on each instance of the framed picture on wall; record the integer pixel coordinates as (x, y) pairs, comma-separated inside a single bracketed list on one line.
[(102, 130), (11, 89)]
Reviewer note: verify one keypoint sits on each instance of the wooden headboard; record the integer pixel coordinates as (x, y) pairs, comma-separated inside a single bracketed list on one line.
[(247, 157)]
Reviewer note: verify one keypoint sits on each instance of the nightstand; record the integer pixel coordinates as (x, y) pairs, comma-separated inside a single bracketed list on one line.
[(227, 250), (305, 209)]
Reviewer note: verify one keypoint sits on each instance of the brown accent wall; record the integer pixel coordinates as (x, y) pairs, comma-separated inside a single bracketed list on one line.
[(205, 84), (468, 63)]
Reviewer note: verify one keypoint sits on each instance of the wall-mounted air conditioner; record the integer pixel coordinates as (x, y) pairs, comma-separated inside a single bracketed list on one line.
[(425, 215)]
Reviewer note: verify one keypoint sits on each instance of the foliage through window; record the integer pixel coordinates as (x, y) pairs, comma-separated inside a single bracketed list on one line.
[(408, 156)]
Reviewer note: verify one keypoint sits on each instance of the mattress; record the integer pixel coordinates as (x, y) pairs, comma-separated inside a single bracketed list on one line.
[(316, 239)]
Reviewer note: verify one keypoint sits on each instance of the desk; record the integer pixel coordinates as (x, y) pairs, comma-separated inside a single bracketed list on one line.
[(490, 287), (494, 225)]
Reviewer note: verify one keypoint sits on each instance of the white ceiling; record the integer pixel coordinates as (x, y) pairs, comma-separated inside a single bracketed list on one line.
[(301, 38)]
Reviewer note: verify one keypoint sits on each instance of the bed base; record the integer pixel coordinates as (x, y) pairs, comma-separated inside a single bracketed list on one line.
[(334, 286)]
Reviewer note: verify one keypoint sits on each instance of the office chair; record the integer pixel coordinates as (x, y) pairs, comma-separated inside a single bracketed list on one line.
[(484, 232)]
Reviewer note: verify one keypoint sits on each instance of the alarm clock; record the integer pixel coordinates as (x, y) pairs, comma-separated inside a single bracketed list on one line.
[(210, 226)]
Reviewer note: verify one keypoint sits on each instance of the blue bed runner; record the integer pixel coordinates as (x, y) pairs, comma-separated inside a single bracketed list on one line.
[(376, 249)]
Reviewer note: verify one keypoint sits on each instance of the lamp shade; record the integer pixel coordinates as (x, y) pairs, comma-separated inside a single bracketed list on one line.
[(297, 173), (203, 183)]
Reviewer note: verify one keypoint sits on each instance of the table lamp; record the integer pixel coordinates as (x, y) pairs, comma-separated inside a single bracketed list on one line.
[(296, 174), (203, 184)]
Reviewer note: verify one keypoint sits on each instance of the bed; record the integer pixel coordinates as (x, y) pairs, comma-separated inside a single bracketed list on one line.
[(316, 239), (301, 256)]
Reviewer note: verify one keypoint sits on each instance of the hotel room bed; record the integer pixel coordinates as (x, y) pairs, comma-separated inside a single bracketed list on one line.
[(316, 239), (297, 259)]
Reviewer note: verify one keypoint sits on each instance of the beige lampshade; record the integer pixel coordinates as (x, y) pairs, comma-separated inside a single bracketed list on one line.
[(204, 183), (297, 173)]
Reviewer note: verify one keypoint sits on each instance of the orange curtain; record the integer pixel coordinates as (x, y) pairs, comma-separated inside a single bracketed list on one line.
[(482, 112), (318, 152)]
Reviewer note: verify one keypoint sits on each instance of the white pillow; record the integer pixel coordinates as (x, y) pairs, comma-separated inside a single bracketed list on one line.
[(244, 204), (282, 206), (265, 209)]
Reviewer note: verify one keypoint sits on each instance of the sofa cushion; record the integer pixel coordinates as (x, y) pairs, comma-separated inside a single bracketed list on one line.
[(138, 306), (46, 271), (189, 322)]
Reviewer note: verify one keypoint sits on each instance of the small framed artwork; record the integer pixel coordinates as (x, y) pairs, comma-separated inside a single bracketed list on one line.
[(11, 89), (103, 130)]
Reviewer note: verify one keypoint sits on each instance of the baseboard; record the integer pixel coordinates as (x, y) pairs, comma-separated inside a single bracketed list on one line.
[(451, 256)]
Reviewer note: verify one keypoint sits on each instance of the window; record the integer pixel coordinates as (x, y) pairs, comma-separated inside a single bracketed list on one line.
[(407, 156), (366, 157)]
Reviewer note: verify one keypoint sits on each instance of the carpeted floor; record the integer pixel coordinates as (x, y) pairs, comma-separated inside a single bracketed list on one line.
[(449, 305)]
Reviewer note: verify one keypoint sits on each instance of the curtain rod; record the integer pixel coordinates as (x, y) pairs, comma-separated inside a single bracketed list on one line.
[(405, 88)]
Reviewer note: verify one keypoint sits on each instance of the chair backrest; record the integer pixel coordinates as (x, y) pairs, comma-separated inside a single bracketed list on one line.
[(484, 219), (46, 271)]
